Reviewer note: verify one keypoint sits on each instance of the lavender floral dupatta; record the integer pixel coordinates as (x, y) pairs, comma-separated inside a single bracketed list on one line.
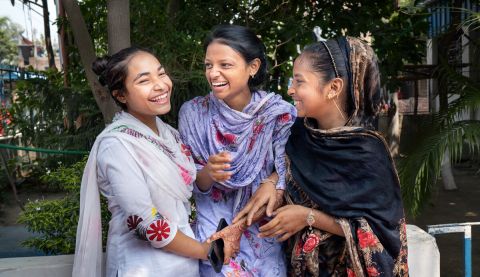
[(209, 127)]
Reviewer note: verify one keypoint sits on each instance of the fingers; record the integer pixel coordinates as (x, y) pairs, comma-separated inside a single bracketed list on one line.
[(256, 206), (273, 232), (221, 158), (220, 176), (284, 237), (268, 227), (271, 205), (243, 212), (214, 237)]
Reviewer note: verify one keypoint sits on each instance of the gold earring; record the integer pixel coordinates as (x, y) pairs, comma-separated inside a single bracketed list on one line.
[(252, 75), (331, 95)]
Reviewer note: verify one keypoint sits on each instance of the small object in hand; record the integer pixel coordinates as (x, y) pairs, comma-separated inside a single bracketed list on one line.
[(216, 254)]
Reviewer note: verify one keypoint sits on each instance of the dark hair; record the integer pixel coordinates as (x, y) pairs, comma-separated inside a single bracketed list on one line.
[(246, 43), (327, 59), (113, 70), (324, 62), (356, 63)]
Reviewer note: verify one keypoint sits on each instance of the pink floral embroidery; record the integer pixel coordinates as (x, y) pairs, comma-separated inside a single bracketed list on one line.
[(216, 195), (234, 265), (257, 128), (225, 139), (186, 151), (310, 243), (133, 221), (372, 271), (158, 230), (185, 175), (350, 273), (366, 239), (284, 118)]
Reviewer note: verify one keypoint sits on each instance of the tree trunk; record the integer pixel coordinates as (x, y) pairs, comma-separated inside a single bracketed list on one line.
[(447, 173), (87, 56), (395, 130), (118, 25), (48, 39), (63, 46)]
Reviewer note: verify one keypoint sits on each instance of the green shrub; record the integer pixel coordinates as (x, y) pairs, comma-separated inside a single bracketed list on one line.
[(55, 221)]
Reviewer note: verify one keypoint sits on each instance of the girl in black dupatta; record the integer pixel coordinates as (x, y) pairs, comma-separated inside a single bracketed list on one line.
[(344, 213)]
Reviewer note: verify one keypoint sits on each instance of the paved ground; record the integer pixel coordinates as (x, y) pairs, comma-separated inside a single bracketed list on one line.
[(462, 205)]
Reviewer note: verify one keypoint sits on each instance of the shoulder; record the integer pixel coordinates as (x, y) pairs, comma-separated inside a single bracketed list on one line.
[(194, 105)]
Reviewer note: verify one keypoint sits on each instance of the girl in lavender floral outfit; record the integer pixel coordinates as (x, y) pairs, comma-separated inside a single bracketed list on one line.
[(237, 135)]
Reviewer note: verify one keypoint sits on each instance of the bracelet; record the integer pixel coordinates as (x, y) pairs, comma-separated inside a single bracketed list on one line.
[(310, 219), (268, 181)]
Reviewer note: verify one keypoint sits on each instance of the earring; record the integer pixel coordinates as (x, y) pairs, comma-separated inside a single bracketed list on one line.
[(252, 75), (331, 95)]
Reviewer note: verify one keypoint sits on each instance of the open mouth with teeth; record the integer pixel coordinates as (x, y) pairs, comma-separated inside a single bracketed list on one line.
[(219, 84), (161, 99)]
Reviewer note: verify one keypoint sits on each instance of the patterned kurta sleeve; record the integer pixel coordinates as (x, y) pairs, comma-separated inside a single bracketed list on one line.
[(127, 187), (280, 137)]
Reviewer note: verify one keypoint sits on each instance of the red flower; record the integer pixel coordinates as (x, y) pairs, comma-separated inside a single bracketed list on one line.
[(158, 230), (225, 139), (350, 273), (311, 242), (251, 143), (372, 271), (133, 221), (258, 128), (366, 239), (284, 118)]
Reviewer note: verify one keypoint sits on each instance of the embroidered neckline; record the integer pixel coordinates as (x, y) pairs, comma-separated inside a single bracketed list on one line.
[(130, 131)]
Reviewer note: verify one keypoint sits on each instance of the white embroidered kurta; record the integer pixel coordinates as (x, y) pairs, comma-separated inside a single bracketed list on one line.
[(147, 180), (123, 183)]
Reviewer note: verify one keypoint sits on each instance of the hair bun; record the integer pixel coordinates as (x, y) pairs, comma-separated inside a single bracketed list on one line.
[(99, 66)]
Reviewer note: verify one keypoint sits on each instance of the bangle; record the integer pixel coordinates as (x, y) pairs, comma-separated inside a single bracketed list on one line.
[(310, 219), (267, 180)]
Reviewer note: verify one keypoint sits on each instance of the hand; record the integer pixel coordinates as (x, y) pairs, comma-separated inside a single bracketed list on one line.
[(216, 165), (267, 195), (231, 236), (288, 220)]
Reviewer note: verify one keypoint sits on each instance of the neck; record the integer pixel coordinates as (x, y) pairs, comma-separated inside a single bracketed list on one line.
[(149, 120), (330, 121), (239, 101)]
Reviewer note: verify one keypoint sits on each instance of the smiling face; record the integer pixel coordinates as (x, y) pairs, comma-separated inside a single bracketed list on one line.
[(228, 73), (307, 90), (310, 92), (148, 88)]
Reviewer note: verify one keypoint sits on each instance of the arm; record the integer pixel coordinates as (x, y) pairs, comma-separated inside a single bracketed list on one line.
[(290, 219), (232, 234), (129, 188)]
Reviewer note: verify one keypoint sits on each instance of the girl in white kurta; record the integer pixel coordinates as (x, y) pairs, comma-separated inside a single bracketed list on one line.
[(140, 165)]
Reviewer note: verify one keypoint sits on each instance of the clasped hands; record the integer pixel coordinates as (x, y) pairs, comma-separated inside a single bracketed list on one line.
[(265, 201)]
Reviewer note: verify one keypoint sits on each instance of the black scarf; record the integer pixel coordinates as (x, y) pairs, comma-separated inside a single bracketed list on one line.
[(349, 174)]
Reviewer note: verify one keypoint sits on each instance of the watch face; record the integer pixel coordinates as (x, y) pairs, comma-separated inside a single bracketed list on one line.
[(310, 218)]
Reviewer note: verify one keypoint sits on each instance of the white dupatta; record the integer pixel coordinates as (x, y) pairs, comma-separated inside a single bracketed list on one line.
[(159, 156)]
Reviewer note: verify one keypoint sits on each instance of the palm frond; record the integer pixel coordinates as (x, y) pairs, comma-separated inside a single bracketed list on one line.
[(421, 169)]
